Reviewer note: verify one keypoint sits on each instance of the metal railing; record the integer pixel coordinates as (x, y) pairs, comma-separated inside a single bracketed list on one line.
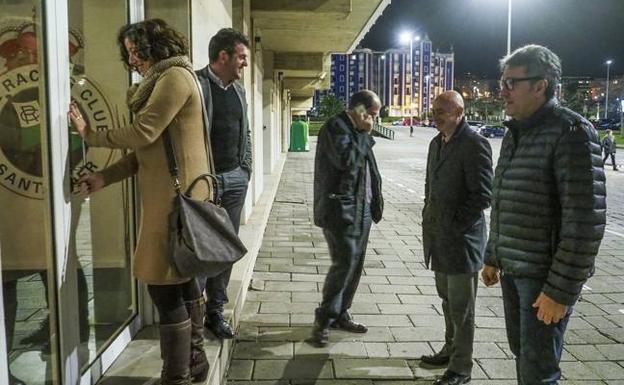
[(383, 131)]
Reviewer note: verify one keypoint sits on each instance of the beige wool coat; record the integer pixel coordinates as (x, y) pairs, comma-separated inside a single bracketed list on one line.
[(174, 104)]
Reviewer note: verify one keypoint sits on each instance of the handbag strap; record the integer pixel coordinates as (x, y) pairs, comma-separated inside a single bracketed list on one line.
[(170, 147), (171, 160)]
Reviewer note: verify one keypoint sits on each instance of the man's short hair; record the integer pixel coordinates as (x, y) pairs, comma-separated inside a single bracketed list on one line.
[(225, 40), (539, 61), (366, 97)]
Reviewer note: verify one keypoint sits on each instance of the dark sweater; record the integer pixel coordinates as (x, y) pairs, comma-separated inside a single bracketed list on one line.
[(226, 128)]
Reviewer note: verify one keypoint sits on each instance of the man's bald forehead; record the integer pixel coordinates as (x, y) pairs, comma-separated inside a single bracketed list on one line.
[(452, 98)]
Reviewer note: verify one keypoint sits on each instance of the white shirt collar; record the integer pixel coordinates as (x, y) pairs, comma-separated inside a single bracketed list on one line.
[(217, 80)]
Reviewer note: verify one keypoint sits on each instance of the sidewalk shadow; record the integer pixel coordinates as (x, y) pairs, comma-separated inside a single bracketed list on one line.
[(308, 368)]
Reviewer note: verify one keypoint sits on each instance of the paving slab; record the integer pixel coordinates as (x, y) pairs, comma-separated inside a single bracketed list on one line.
[(397, 297), (372, 368)]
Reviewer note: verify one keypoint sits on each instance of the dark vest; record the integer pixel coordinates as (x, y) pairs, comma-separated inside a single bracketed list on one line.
[(226, 128)]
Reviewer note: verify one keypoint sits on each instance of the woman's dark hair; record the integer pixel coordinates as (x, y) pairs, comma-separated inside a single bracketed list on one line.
[(154, 39)]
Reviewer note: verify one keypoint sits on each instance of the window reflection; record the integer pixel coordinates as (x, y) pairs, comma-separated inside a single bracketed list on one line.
[(24, 222), (101, 224)]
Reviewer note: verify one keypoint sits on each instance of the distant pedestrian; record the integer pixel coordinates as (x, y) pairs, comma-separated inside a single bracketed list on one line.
[(411, 130), (548, 212), (347, 199), (609, 147), (458, 187)]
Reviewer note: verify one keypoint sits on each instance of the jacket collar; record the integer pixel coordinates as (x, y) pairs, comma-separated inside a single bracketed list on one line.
[(347, 119), (208, 73), (534, 120), (459, 130)]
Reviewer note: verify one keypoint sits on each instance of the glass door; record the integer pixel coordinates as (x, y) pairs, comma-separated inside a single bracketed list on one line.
[(26, 257), (101, 225), (65, 259)]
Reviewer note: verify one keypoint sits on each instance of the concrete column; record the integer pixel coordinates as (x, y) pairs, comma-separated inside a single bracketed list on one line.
[(207, 17)]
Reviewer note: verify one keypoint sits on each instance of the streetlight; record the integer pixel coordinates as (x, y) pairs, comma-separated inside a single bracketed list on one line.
[(508, 27), (608, 62), (622, 117), (409, 37)]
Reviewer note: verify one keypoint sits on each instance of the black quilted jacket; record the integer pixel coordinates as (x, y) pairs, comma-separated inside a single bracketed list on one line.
[(549, 201)]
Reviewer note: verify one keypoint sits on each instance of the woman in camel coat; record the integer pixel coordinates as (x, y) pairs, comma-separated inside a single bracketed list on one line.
[(166, 99)]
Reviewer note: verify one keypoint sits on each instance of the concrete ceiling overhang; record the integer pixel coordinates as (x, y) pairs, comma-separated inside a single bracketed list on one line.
[(314, 25), (302, 34)]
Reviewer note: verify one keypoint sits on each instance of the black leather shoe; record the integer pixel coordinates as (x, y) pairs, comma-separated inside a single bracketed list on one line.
[(319, 337), (438, 359), (346, 323), (452, 378), (218, 326), (320, 331)]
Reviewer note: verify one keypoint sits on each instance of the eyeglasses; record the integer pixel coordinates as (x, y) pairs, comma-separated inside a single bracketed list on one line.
[(509, 83)]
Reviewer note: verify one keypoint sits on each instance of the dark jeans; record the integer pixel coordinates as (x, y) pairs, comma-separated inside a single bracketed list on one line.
[(347, 253), (612, 155), (233, 191), (458, 293), (169, 300), (537, 346)]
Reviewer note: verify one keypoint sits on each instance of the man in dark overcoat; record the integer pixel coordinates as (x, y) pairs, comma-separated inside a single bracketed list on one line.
[(347, 199), (457, 189)]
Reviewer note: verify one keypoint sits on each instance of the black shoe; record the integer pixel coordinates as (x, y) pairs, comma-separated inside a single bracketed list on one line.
[(39, 335), (219, 326), (438, 359), (320, 336), (320, 332), (452, 378), (346, 323)]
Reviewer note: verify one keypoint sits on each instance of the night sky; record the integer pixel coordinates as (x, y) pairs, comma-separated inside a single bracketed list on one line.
[(584, 33)]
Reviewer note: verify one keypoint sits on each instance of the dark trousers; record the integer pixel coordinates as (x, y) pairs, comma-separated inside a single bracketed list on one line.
[(233, 191), (347, 251), (458, 293), (612, 155), (169, 300), (537, 346)]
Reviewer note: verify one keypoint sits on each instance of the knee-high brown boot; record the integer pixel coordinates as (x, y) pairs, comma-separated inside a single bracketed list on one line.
[(175, 344), (199, 362)]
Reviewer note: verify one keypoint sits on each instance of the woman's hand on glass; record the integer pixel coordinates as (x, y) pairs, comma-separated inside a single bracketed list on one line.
[(89, 183), (77, 120)]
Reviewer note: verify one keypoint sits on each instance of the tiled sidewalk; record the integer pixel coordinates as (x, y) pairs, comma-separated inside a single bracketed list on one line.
[(396, 297)]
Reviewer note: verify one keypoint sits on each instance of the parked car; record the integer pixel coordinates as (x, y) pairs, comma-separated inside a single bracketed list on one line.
[(411, 122), (606, 124), (398, 122), (475, 123), (492, 131)]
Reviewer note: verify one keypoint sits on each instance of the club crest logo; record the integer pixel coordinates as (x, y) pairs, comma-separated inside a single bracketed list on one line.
[(22, 113)]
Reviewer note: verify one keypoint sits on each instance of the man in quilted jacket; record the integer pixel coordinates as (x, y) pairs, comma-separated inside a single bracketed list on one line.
[(548, 212)]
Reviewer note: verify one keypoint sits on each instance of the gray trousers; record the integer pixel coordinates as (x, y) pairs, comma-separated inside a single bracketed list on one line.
[(233, 191), (458, 293)]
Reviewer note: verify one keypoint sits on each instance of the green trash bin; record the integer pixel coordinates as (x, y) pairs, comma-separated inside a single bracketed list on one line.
[(299, 136)]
